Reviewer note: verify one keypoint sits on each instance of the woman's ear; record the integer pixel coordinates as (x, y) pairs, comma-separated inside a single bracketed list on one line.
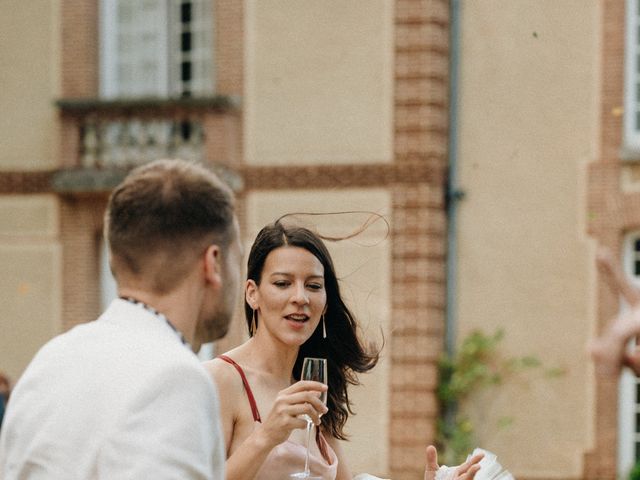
[(251, 294)]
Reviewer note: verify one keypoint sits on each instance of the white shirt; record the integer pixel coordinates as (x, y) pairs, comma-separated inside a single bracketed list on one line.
[(117, 398)]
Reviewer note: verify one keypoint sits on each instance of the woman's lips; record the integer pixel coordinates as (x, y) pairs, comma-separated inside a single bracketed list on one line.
[(297, 321)]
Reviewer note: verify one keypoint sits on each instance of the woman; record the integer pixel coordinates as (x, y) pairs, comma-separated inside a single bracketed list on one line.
[(293, 310), (292, 301)]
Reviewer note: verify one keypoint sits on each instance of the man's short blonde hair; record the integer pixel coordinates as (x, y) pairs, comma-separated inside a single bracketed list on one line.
[(162, 217)]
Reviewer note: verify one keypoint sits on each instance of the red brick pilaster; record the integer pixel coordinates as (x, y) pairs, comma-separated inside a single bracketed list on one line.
[(418, 230), (610, 213)]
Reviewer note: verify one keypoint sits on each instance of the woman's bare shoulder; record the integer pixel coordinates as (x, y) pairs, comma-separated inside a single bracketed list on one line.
[(224, 374)]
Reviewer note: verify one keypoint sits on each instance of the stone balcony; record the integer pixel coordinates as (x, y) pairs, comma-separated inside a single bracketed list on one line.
[(102, 140)]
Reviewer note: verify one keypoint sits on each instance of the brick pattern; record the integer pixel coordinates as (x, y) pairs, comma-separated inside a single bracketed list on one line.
[(339, 176), (418, 230), (421, 79), (25, 182), (229, 57), (610, 213), (80, 233), (79, 48)]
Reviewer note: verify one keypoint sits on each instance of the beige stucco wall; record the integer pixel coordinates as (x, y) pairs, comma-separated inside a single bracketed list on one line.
[(319, 81), (528, 125), (29, 78), (30, 278), (363, 266)]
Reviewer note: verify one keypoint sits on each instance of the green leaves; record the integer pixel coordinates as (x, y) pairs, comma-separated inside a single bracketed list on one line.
[(476, 365)]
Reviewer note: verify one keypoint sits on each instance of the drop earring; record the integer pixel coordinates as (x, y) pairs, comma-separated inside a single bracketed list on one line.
[(252, 329), (324, 328)]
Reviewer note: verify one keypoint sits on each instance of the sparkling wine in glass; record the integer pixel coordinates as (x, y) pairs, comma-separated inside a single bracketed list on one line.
[(314, 369)]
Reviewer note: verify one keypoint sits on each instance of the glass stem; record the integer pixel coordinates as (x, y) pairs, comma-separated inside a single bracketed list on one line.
[(306, 459)]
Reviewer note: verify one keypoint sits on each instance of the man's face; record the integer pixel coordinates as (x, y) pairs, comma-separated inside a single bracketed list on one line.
[(220, 306)]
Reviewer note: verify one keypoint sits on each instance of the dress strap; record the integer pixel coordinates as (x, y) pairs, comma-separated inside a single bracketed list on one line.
[(247, 388)]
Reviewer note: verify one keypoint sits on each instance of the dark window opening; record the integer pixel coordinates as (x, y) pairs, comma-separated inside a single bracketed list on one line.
[(185, 12), (185, 42), (185, 71)]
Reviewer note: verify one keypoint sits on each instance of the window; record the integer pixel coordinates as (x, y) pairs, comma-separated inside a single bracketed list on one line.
[(629, 386), (156, 48)]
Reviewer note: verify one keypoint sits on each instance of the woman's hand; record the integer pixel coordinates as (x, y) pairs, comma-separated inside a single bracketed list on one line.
[(301, 398), (464, 471)]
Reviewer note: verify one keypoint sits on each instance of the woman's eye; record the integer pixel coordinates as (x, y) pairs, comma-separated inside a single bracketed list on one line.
[(315, 286), (281, 283)]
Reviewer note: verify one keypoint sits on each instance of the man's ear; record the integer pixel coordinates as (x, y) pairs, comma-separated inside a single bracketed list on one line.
[(213, 265)]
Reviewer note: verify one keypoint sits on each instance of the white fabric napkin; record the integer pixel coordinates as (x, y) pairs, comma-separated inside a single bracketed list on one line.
[(490, 469)]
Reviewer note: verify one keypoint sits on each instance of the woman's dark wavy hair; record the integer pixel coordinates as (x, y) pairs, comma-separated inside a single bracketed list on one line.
[(345, 353)]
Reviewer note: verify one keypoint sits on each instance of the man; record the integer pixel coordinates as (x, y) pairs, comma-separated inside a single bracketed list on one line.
[(124, 397)]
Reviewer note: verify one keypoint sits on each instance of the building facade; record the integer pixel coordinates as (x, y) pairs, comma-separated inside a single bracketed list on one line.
[(396, 107)]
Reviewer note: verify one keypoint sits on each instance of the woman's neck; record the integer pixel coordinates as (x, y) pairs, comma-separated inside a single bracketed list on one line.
[(272, 357)]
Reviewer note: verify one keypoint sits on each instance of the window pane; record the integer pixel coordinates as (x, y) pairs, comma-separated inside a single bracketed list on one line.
[(185, 12), (185, 42), (636, 244), (637, 451), (636, 268), (186, 71)]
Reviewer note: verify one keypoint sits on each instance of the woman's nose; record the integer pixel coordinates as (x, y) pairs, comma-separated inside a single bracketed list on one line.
[(300, 295)]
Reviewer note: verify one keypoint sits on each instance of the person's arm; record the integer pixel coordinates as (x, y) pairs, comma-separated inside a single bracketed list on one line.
[(609, 350), (169, 430), (615, 278), (286, 415)]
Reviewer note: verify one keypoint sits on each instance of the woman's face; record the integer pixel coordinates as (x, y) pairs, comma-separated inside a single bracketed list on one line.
[(291, 296)]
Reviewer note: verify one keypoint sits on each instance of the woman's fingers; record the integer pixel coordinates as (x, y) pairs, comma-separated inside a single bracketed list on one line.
[(432, 463), (305, 385), (289, 406), (471, 473), (300, 409), (305, 403), (468, 469)]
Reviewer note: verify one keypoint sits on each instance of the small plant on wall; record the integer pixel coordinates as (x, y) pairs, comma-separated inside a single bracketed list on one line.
[(475, 366)]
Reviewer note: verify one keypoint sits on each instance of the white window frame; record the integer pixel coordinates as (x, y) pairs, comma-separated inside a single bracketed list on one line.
[(628, 404), (168, 82), (631, 123)]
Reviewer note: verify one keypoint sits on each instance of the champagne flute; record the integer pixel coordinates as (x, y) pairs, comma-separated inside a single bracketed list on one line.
[(314, 369)]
